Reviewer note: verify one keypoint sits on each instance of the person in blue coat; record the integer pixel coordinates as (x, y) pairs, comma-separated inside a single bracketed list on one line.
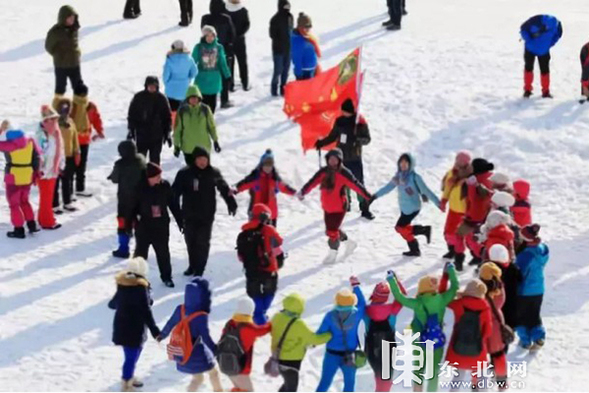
[(531, 262), (342, 322), (197, 299), (540, 33), (412, 189), (305, 50), (179, 70)]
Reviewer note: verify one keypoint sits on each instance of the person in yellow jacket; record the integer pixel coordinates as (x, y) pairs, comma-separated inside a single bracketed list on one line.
[(454, 195), (71, 147), (296, 340)]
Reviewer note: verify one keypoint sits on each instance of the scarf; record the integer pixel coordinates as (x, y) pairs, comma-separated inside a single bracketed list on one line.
[(313, 40)]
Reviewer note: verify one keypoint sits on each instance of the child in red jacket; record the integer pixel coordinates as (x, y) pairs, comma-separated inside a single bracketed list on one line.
[(242, 328), (496, 230), (333, 179), (522, 209)]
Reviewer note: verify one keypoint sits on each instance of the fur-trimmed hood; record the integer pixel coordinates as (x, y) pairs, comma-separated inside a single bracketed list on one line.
[(126, 279)]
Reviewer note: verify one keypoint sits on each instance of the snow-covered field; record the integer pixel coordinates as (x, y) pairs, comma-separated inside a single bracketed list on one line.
[(451, 79)]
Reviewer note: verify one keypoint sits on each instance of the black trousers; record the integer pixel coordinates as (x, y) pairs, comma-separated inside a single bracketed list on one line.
[(198, 242), (543, 61), (66, 180), (151, 149), (155, 233), (80, 172), (132, 7), (210, 100), (186, 11), (63, 74), (528, 310), (174, 104), (289, 370), (240, 55), (395, 10), (406, 219)]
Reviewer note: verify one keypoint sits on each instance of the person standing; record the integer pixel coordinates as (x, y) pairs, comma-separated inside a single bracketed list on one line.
[(540, 33), (225, 33), (185, 13), (585, 71), (179, 71), (62, 44), (241, 20), (396, 12), (196, 185), (351, 132), (150, 120), (281, 26), (305, 51), (132, 9), (209, 56)]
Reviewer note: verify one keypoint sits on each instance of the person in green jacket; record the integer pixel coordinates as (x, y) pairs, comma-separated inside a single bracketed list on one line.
[(195, 126), (296, 341), (209, 56), (62, 44), (429, 303)]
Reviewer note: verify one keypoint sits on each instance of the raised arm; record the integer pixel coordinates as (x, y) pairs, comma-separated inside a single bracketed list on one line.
[(399, 296), (450, 294)]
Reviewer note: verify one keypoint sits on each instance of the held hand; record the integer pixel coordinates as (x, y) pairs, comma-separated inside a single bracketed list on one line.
[(390, 273), (232, 192), (354, 281), (443, 206), (217, 147), (159, 339), (448, 266)]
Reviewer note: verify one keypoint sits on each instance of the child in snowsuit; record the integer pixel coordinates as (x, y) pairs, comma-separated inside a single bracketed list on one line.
[(196, 309), (521, 211), (179, 72), (452, 192), (86, 117), (153, 223), (246, 331), (264, 183), (297, 338), (71, 147), (129, 174), (511, 278), (585, 71), (305, 50), (478, 203), (281, 26), (412, 189), (132, 303), (490, 275), (333, 179), (429, 307), (472, 330), (52, 163), (496, 230), (342, 322), (258, 248), (21, 172), (380, 321), (531, 262), (540, 33)]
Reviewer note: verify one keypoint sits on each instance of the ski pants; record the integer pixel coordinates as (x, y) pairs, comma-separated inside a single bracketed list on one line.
[(530, 328), (499, 361), (333, 223), (155, 232), (544, 61), (332, 362), (80, 171), (20, 207), (46, 217), (131, 357), (66, 180), (453, 221), (289, 370), (151, 149), (261, 288), (432, 383), (63, 74), (198, 242), (404, 227)]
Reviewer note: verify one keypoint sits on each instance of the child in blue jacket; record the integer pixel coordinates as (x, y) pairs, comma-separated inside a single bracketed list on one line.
[(342, 322), (531, 262), (305, 50), (179, 71), (197, 300), (412, 189), (540, 33)]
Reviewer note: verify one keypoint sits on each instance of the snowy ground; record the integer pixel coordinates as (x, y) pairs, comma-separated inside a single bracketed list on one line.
[(451, 79)]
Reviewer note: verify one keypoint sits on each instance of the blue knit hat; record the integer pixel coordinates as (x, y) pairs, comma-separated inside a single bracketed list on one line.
[(267, 156)]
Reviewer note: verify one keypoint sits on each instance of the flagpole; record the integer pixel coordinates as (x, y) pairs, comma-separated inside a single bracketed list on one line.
[(319, 155)]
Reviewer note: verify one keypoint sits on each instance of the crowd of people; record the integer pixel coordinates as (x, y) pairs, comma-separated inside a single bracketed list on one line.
[(488, 214)]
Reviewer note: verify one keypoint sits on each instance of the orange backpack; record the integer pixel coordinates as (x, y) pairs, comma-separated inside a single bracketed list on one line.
[(181, 342)]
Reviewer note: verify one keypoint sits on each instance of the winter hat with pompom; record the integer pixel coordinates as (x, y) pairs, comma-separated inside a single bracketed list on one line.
[(427, 284), (530, 233), (503, 199), (489, 271), (381, 293), (267, 157), (475, 288), (500, 179), (178, 45), (245, 306), (498, 253), (138, 267), (345, 298)]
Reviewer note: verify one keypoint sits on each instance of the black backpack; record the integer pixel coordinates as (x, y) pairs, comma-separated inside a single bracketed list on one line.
[(230, 353), (377, 332), (468, 340), (250, 249)]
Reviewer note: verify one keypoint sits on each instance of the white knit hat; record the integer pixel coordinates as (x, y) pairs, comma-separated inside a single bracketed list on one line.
[(178, 45), (245, 306), (500, 178), (138, 266), (503, 199), (498, 253), (496, 218), (209, 29)]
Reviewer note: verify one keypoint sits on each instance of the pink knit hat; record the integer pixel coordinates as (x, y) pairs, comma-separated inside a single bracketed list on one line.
[(463, 158), (381, 293)]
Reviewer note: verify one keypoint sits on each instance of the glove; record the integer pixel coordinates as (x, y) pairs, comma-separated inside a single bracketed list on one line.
[(232, 207), (354, 281), (472, 181), (390, 274), (300, 196), (78, 159), (217, 147), (448, 266), (232, 192), (443, 204), (168, 140), (318, 144), (176, 152)]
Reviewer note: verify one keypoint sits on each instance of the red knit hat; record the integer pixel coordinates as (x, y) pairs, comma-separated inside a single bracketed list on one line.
[(381, 293)]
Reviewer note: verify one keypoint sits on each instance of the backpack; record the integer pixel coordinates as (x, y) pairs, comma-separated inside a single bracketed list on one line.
[(377, 332), (181, 342), (468, 340), (230, 353), (433, 330), (250, 249)]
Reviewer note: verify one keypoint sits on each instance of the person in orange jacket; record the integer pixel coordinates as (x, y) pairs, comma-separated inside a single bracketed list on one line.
[(86, 117), (522, 209)]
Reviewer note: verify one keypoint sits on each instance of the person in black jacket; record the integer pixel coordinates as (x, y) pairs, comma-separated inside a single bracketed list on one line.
[(150, 120), (351, 132), (241, 21), (185, 13), (196, 185), (223, 24), (132, 303), (281, 26), (128, 173), (153, 228)]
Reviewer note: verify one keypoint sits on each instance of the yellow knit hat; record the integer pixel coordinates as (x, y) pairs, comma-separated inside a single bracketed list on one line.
[(427, 284), (489, 271), (345, 298)]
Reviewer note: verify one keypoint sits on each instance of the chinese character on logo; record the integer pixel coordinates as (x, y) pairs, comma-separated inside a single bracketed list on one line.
[(519, 368), (448, 370), (409, 358), (483, 370)]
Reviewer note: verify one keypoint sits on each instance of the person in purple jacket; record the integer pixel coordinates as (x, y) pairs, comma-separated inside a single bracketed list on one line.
[(197, 299)]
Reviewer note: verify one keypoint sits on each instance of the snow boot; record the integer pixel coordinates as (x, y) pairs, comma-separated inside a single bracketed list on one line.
[(84, 194), (450, 254), (137, 383), (123, 250), (459, 262), (227, 105), (527, 94), (169, 283), (424, 231), (393, 27), (545, 80), (127, 386), (70, 208), (32, 226), (330, 258), (52, 228), (349, 250), (388, 23), (547, 94), (57, 211), (413, 249), (366, 213), (17, 233), (528, 82), (189, 272)]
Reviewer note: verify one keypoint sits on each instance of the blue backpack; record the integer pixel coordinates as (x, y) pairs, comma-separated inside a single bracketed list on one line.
[(432, 330)]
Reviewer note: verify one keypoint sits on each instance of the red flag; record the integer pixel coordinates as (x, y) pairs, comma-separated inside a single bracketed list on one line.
[(315, 103)]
